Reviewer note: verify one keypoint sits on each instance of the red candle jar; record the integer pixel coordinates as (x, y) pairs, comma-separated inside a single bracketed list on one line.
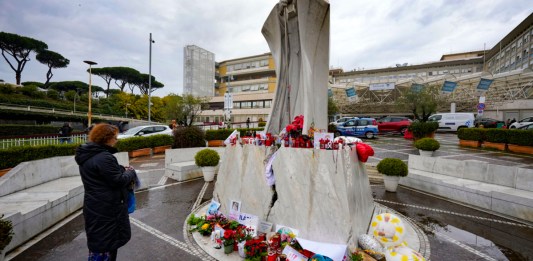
[(272, 256)]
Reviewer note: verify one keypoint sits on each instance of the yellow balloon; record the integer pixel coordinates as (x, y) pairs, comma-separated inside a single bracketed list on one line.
[(388, 229)]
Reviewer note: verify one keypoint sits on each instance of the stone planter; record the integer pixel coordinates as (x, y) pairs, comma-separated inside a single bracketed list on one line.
[(209, 173), (520, 149), (494, 145), (161, 149), (4, 171), (470, 143), (215, 143), (391, 183), (138, 153), (426, 153)]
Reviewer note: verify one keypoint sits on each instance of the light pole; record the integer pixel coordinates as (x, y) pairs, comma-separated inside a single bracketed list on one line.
[(150, 80), (75, 95), (127, 109), (89, 113)]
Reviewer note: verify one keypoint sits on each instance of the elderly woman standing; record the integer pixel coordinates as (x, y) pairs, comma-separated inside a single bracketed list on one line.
[(105, 203)]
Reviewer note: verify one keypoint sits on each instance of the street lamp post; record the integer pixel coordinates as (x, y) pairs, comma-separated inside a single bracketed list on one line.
[(127, 109), (89, 113), (150, 80)]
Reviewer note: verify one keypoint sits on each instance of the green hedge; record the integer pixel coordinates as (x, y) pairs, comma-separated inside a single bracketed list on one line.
[(133, 143), (160, 140), (41, 118), (221, 134), (11, 157), (261, 124), (521, 137), (497, 135), (16, 130), (242, 131), (475, 134), (423, 129)]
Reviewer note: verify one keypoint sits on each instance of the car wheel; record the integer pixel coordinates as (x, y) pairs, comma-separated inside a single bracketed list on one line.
[(369, 135), (403, 130), (337, 134), (513, 127)]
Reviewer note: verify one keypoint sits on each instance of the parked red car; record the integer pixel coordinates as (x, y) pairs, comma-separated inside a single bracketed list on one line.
[(393, 124)]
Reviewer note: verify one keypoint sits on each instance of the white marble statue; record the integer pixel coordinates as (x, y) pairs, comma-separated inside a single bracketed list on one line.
[(297, 32)]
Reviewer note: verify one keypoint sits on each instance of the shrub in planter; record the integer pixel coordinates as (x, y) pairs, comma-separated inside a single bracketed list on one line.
[(392, 167), (497, 136), (206, 158), (261, 124), (189, 137), (423, 129), (160, 140), (474, 134), (427, 144), (6, 232)]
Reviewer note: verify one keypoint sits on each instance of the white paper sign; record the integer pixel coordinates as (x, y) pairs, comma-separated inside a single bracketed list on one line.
[(264, 227), (333, 251), (234, 209), (293, 255), (213, 208), (250, 221), (232, 135), (322, 135)]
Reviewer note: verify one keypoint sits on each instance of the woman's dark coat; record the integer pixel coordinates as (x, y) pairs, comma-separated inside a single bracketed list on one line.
[(105, 206)]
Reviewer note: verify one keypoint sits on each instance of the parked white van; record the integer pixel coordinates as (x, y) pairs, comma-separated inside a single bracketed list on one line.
[(453, 121)]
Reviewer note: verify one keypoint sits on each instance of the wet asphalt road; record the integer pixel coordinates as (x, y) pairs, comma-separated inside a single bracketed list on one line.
[(455, 232)]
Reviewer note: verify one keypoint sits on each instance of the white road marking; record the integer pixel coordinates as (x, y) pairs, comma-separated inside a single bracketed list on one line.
[(161, 235), (144, 165)]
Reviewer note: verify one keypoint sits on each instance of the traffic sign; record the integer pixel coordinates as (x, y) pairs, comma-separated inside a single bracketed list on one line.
[(481, 106), (480, 112)]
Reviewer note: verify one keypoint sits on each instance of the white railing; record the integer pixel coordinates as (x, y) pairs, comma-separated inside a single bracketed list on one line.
[(36, 141)]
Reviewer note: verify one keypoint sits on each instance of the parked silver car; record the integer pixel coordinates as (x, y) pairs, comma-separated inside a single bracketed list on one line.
[(146, 130)]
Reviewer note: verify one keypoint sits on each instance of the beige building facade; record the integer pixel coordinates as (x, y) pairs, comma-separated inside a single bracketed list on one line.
[(252, 83)]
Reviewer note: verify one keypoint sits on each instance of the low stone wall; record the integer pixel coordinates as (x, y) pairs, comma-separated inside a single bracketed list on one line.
[(506, 190), (324, 194), (179, 163), (37, 194)]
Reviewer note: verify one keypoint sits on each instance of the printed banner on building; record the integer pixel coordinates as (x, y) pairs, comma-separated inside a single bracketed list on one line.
[(484, 84), (415, 87), (351, 92), (449, 86), (381, 86)]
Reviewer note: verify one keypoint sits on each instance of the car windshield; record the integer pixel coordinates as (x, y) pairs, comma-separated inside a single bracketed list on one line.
[(133, 130)]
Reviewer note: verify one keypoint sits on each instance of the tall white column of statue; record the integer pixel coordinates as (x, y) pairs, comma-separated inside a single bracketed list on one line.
[(297, 33), (324, 194)]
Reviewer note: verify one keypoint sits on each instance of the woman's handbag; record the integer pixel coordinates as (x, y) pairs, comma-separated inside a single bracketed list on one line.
[(131, 201)]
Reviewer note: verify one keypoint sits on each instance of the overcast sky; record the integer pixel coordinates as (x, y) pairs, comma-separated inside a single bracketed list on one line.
[(364, 34)]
